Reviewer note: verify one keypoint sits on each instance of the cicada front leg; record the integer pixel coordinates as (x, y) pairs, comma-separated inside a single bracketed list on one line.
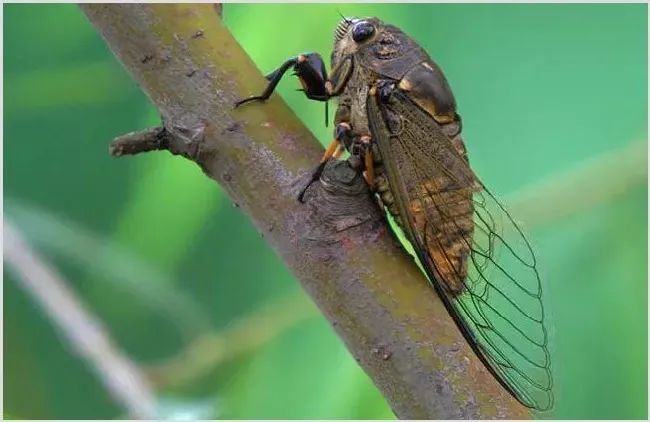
[(311, 72)]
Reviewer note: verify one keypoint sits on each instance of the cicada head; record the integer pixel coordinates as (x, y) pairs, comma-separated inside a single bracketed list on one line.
[(357, 31), (352, 34)]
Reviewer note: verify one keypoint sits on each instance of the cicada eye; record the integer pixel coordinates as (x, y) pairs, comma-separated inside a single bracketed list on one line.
[(362, 30)]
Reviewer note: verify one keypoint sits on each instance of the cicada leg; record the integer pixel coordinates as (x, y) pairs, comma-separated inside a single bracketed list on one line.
[(369, 162), (339, 151), (311, 73), (342, 133)]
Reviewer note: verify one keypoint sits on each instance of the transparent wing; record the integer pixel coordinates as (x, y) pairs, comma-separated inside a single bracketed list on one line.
[(475, 254)]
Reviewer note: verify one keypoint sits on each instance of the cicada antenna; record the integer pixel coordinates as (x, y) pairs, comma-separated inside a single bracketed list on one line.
[(342, 16)]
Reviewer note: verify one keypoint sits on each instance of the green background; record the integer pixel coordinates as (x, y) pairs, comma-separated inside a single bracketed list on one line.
[(158, 252)]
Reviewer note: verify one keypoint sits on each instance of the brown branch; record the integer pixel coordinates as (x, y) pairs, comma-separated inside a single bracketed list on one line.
[(153, 139), (337, 244)]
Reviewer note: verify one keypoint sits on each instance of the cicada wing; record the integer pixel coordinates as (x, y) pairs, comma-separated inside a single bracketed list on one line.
[(476, 256)]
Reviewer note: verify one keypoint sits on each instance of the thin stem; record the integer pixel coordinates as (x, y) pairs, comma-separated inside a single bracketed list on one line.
[(84, 332)]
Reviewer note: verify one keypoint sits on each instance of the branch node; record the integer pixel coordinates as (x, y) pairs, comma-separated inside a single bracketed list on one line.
[(339, 202), (186, 134)]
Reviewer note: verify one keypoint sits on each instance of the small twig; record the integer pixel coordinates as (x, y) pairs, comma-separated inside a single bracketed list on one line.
[(85, 333), (246, 335), (586, 185), (152, 139)]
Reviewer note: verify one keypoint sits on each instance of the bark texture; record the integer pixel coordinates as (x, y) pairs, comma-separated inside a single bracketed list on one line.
[(337, 244)]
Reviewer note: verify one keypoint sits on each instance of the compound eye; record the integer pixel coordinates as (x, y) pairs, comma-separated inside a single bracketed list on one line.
[(362, 31)]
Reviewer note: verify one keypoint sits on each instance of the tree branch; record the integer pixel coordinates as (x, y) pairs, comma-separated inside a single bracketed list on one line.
[(337, 244), (153, 139)]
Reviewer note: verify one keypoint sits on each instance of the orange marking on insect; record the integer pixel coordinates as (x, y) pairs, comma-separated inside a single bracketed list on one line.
[(450, 268), (387, 51), (404, 85), (301, 58), (427, 65), (330, 150), (449, 208), (328, 87), (339, 151), (444, 118)]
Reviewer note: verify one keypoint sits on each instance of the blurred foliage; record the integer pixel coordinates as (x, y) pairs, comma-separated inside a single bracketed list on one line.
[(158, 252)]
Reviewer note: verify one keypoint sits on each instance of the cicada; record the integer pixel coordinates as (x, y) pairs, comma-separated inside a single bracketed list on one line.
[(397, 118)]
